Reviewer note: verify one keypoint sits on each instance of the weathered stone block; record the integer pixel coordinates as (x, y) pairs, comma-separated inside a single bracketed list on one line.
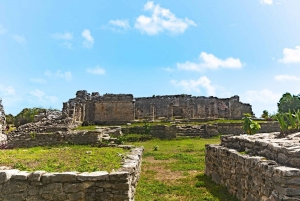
[(93, 176)]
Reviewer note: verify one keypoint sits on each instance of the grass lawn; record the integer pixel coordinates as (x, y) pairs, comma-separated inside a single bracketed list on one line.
[(62, 158), (174, 170)]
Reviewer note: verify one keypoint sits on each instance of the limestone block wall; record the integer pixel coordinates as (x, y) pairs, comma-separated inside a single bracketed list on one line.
[(159, 131), (236, 128), (285, 151), (94, 186), (251, 178), (23, 139), (123, 108)]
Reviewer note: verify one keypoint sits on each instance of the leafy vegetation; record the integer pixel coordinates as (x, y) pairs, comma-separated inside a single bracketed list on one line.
[(288, 102), (289, 120), (174, 170), (25, 116), (53, 159), (250, 126)]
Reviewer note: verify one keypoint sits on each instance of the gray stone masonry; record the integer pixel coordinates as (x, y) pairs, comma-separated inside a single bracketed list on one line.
[(285, 151), (201, 130), (120, 185), (268, 171), (251, 178), (124, 108)]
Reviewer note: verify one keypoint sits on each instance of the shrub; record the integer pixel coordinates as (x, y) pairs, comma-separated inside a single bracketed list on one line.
[(250, 126)]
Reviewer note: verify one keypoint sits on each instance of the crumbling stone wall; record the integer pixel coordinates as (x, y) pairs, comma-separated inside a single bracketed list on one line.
[(190, 107), (2, 118), (93, 108), (95, 186), (268, 171), (32, 139), (122, 108)]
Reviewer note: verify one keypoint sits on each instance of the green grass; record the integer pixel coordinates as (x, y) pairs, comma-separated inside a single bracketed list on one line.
[(62, 158), (175, 171)]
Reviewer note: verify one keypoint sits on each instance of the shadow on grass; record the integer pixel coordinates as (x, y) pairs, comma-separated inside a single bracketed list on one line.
[(218, 191)]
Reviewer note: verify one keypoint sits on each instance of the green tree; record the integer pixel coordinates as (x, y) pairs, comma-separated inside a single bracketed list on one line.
[(27, 115), (265, 114), (10, 119), (288, 102)]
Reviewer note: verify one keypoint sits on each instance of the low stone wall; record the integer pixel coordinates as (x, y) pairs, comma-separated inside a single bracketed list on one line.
[(251, 178), (159, 131), (237, 128), (95, 186), (285, 151), (22, 139)]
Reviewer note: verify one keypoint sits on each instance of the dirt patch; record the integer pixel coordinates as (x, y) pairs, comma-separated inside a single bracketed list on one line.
[(166, 175)]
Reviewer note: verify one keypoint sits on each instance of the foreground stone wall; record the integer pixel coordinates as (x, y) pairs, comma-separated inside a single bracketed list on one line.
[(251, 178), (95, 186), (285, 151)]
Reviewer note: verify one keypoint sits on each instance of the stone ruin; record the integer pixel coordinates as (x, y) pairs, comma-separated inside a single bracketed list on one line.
[(123, 108), (261, 167), (52, 128), (2, 118)]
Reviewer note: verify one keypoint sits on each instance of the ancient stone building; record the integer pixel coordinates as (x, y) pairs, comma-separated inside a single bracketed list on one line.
[(2, 118), (122, 108)]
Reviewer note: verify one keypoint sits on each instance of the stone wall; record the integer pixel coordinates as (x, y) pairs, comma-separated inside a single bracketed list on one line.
[(190, 107), (285, 151), (159, 131), (237, 128), (94, 186), (201, 130), (251, 178), (93, 108), (123, 108), (31, 139)]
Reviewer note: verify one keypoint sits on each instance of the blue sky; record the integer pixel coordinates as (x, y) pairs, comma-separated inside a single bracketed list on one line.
[(51, 49)]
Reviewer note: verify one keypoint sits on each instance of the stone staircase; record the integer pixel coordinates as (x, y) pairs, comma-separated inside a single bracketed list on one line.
[(109, 135), (191, 131)]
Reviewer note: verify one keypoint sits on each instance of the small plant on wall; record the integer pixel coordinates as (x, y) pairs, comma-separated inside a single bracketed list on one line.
[(250, 127)]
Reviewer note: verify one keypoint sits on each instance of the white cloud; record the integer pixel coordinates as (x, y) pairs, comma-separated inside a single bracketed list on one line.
[(97, 70), (20, 39), (38, 80), (267, 2), (168, 69), (260, 100), (58, 74), (286, 77), (7, 91), (195, 85), (42, 96), (209, 61), (67, 45), (2, 29), (261, 96), (291, 55), (121, 24), (63, 36), (161, 20), (89, 40)]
